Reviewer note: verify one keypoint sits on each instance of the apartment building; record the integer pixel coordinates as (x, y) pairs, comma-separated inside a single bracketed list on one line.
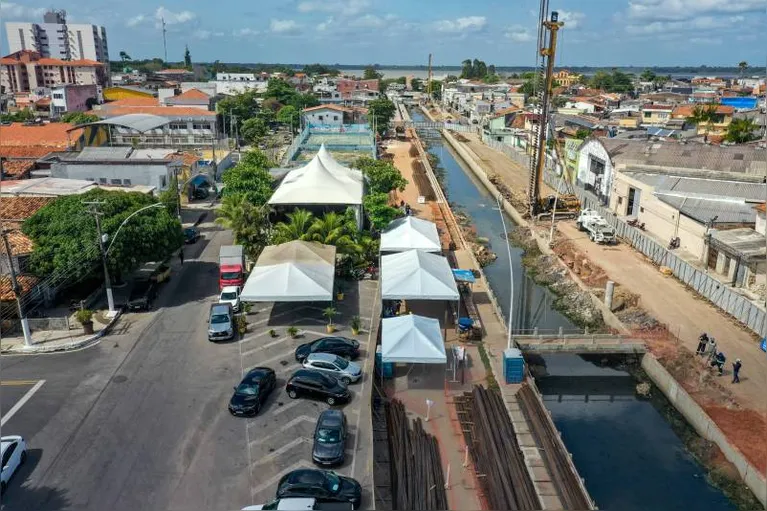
[(28, 70), (55, 38)]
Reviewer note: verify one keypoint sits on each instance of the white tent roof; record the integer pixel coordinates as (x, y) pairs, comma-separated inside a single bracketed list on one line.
[(320, 182), (297, 271), (410, 233), (417, 275), (336, 168), (411, 338)]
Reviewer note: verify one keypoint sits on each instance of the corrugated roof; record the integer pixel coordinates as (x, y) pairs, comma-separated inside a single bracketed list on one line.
[(161, 111), (104, 153), (701, 186), (700, 209), (134, 121), (746, 242)]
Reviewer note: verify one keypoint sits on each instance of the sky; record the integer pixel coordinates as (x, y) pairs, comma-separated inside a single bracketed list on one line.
[(402, 32)]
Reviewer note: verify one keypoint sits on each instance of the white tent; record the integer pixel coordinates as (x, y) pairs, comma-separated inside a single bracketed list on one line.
[(410, 233), (297, 271), (417, 275), (413, 339), (315, 183), (338, 169)]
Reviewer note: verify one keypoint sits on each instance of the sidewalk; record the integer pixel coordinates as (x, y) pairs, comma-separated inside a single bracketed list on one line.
[(48, 341)]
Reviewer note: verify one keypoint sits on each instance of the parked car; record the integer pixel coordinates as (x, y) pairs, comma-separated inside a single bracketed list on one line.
[(335, 366), (200, 193), (314, 384), (14, 454), (341, 346), (250, 395), (320, 484), (221, 322), (191, 235), (301, 504), (231, 295), (330, 438), (142, 295)]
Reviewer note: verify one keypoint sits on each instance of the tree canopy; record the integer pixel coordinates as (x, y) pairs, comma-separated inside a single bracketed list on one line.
[(370, 73), (250, 178), (319, 69), (290, 116), (249, 223), (616, 81), (740, 131), (286, 94), (77, 118), (243, 106), (378, 210), (476, 69), (20, 116), (382, 110), (383, 176), (187, 57), (65, 239), (253, 130)]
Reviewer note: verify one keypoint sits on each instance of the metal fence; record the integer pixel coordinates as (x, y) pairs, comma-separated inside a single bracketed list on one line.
[(291, 151), (518, 156), (13, 326)]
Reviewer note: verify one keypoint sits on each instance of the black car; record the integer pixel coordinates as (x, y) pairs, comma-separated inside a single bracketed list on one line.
[(191, 235), (320, 484), (330, 438), (341, 346), (250, 395), (201, 193), (314, 384), (142, 295)]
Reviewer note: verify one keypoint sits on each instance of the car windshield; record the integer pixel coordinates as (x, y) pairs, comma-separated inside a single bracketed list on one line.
[(230, 275), (328, 436), (332, 482), (247, 389), (219, 318), (229, 296), (341, 363)]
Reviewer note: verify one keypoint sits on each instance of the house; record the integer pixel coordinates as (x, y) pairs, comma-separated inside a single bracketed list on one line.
[(237, 83), (126, 92), (74, 98), (13, 212), (738, 255), (357, 89), (22, 145), (27, 70), (498, 127), (566, 79), (193, 98), (666, 98), (334, 115), (51, 187), (718, 126), (173, 75), (655, 114)]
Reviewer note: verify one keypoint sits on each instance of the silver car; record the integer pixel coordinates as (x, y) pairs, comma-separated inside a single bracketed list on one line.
[(333, 365), (221, 322)]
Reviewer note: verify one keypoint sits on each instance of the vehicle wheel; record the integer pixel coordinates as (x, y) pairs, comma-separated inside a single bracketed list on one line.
[(292, 394), (23, 458), (346, 380), (331, 401)]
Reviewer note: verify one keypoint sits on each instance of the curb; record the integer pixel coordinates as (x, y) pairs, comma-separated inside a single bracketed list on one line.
[(71, 346)]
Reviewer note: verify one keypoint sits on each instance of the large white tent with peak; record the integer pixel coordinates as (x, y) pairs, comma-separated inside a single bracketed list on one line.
[(412, 339), (297, 271), (408, 233), (417, 275)]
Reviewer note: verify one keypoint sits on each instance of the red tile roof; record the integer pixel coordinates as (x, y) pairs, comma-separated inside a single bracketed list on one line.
[(163, 111), (21, 208), (187, 158), (657, 107), (687, 110), (31, 152), (17, 169), (134, 101), (19, 242), (338, 108), (192, 94), (26, 283), (52, 135)]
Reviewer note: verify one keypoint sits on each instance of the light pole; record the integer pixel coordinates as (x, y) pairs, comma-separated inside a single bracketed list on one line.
[(511, 273)]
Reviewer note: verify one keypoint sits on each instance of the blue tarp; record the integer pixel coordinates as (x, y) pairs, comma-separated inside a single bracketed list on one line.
[(464, 276), (745, 103)]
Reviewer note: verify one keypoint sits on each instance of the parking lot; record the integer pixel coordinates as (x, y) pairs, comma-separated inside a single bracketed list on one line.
[(280, 437)]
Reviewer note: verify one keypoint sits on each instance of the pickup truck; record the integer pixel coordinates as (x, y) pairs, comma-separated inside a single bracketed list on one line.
[(599, 230)]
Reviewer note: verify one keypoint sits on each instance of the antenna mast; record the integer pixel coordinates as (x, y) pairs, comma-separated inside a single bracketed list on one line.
[(164, 42)]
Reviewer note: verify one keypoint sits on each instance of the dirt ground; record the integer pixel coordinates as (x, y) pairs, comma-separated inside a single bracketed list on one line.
[(404, 162)]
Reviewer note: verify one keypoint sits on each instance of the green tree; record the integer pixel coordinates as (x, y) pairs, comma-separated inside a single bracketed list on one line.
[(378, 210), (382, 110), (382, 175), (416, 84), (582, 134), (491, 69), (479, 68), (616, 81), (741, 131), (254, 130), (248, 223), (704, 115), (648, 75), (301, 101), (64, 234), (467, 70), (333, 229), (289, 116), (250, 178), (491, 78), (319, 69), (187, 58), (243, 106), (370, 73), (78, 118), (743, 66), (451, 78), (271, 104), (280, 90), (298, 227), (124, 57), (20, 116), (170, 196)]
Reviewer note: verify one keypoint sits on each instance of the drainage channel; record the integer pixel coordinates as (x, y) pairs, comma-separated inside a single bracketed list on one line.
[(622, 446)]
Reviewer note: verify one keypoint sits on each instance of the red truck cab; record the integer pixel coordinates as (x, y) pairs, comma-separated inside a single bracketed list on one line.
[(231, 266)]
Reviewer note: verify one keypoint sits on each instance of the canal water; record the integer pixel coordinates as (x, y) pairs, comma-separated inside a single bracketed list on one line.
[(625, 450)]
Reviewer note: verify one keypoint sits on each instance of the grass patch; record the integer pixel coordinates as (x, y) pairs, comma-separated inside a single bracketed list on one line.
[(492, 383)]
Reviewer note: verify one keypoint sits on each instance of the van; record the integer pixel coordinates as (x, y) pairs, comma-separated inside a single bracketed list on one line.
[(221, 322)]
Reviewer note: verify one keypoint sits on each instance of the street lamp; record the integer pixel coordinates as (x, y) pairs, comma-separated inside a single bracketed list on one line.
[(511, 273)]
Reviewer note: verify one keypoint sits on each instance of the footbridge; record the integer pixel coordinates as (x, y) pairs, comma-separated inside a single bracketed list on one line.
[(579, 344)]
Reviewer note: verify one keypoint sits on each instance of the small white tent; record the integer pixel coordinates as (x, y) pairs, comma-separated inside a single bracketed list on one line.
[(417, 275), (412, 339), (338, 169), (409, 233), (316, 184), (297, 271)]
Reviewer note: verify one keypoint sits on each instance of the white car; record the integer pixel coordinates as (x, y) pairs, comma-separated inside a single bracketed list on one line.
[(231, 295), (14, 453), (335, 366), (300, 504)]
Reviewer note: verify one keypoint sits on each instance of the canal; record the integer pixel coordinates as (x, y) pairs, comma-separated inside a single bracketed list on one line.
[(625, 450)]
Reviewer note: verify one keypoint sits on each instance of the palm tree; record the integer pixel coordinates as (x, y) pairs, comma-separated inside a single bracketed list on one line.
[(741, 131), (333, 229), (124, 56), (249, 223), (297, 227), (703, 115), (742, 65)]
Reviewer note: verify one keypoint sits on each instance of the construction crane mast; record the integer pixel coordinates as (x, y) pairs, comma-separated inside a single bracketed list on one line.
[(551, 27), (428, 83)]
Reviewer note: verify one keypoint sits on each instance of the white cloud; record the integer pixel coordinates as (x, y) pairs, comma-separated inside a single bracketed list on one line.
[(204, 35), (341, 7), (519, 34), (325, 25), (135, 20), (283, 26), (571, 19), (367, 21), (245, 32), (706, 40), (680, 27), (460, 25), (13, 10), (173, 18), (678, 10)]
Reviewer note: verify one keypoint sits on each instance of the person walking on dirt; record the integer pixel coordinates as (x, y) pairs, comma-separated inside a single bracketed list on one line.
[(181, 256), (702, 344), (718, 362), (711, 348), (736, 370)]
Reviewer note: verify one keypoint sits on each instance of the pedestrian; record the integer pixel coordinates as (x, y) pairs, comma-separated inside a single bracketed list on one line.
[(181, 256), (718, 362), (702, 344), (735, 370), (407, 209), (711, 348)]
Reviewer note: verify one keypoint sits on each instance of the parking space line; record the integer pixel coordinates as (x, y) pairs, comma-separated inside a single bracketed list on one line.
[(21, 402), (253, 337), (265, 346), (285, 427), (278, 476), (284, 408), (285, 448), (284, 354)]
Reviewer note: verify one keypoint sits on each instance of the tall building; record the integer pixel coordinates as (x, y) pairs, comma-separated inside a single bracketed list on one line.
[(26, 71), (57, 39)]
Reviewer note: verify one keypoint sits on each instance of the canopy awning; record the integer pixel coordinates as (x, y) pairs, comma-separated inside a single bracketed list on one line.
[(464, 276), (417, 275), (414, 339), (409, 233), (297, 271), (318, 183)]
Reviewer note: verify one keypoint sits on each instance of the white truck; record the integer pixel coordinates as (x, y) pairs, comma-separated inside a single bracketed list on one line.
[(599, 230)]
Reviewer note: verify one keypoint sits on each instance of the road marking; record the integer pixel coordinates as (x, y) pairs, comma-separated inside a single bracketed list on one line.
[(284, 354), (21, 402), (253, 337), (278, 476), (283, 408), (283, 428), (281, 340), (17, 383), (278, 452)]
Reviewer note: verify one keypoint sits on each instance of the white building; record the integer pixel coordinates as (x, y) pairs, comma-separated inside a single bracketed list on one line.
[(57, 39), (74, 98)]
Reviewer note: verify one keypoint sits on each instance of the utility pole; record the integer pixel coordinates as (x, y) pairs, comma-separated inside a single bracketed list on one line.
[(428, 86), (16, 289), (164, 41), (94, 210)]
